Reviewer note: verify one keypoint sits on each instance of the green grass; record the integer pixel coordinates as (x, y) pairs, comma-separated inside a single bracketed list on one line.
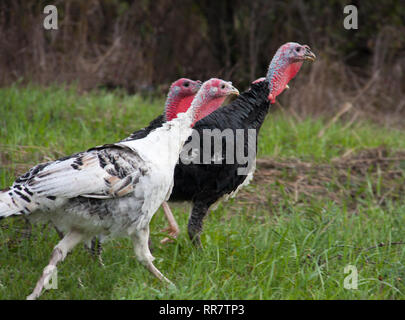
[(290, 251)]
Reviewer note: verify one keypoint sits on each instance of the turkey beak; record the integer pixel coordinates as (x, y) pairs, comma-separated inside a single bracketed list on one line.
[(233, 91), (197, 86), (309, 55), (231, 95)]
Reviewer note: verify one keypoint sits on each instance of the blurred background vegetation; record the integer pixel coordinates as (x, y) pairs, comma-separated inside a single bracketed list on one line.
[(142, 46)]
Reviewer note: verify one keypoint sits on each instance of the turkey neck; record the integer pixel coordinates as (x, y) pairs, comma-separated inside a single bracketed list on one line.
[(196, 110), (280, 72), (248, 111), (209, 107), (176, 103)]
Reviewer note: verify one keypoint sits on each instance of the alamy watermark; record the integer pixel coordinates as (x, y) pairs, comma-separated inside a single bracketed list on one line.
[(352, 279), (351, 20), (51, 20), (221, 147)]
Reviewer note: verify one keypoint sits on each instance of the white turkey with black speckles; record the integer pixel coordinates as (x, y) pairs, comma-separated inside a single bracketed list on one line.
[(107, 191)]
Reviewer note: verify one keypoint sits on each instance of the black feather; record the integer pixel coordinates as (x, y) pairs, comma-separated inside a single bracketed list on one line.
[(204, 184), (209, 182)]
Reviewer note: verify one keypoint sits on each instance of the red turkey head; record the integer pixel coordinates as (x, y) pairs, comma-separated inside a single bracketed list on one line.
[(211, 96), (180, 96), (285, 65)]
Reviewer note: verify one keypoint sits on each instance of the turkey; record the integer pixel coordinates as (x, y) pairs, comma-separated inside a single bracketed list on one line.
[(180, 96), (206, 183), (107, 191)]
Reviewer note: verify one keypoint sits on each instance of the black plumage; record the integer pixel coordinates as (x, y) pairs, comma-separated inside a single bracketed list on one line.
[(204, 184)]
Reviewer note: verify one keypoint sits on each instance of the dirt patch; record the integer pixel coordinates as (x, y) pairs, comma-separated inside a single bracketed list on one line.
[(376, 173)]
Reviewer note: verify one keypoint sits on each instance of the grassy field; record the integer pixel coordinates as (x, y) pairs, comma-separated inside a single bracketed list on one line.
[(292, 247)]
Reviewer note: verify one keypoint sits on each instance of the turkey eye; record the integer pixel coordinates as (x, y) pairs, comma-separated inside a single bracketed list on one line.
[(186, 84), (223, 86), (298, 49)]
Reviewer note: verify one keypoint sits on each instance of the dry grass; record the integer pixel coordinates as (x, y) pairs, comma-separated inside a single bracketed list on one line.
[(141, 48), (346, 179)]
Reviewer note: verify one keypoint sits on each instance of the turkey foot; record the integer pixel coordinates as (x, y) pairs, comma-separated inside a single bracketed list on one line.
[(173, 228)]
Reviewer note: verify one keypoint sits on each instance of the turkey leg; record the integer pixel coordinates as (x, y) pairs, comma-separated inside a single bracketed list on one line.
[(173, 227)]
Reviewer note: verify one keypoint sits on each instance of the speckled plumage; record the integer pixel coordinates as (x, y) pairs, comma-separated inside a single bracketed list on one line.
[(108, 191), (103, 190)]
